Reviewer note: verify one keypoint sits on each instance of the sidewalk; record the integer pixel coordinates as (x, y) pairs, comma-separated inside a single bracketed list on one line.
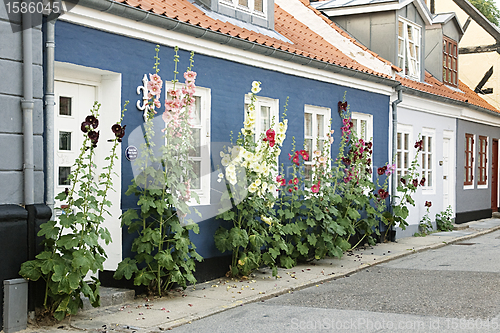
[(205, 299)]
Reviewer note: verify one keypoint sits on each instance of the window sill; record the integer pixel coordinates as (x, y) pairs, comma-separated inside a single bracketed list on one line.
[(468, 187), (482, 187)]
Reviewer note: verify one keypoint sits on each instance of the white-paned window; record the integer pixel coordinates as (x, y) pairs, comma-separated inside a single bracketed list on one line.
[(482, 179), (363, 127), (403, 150), (469, 161), (267, 112), (200, 155), (409, 40), (254, 7), (427, 162), (316, 128)]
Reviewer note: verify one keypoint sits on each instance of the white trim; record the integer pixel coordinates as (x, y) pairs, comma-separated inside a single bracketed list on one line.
[(417, 45), (429, 133), (449, 134), (471, 187), (480, 187), (114, 24), (327, 116)]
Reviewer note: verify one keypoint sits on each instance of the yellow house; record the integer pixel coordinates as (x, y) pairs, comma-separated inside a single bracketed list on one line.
[(479, 57)]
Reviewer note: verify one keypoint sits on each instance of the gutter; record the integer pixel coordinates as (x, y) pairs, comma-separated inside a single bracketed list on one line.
[(167, 23), (49, 114), (395, 103), (27, 105)]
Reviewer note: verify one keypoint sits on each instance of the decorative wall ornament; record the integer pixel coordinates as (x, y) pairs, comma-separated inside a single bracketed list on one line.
[(144, 106)]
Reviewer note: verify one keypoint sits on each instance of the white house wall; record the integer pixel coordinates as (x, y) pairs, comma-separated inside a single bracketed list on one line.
[(423, 114)]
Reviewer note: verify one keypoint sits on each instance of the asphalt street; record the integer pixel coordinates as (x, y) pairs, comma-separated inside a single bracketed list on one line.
[(455, 288)]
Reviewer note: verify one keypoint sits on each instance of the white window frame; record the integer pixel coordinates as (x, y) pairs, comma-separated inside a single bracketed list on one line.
[(250, 9), (484, 186), (405, 55), (400, 169), (358, 119), (428, 188), (205, 95), (471, 187), (314, 111)]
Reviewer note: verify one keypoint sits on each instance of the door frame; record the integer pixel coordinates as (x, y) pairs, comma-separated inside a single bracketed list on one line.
[(108, 94), (450, 135)]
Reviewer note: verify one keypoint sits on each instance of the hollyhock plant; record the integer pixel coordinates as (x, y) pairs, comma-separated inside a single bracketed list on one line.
[(250, 170)]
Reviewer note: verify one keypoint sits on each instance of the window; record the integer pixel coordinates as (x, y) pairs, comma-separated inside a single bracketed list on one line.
[(64, 140), (403, 150), (427, 163), (64, 106), (316, 127), (450, 62), (483, 161), (469, 160), (363, 127), (267, 113), (200, 155), (409, 48), (255, 7)]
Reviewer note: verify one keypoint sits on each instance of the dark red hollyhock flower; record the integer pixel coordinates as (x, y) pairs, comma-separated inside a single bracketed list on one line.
[(403, 181), (66, 191), (351, 124), (342, 106), (415, 182), (369, 145), (422, 182), (419, 145), (346, 160), (85, 127), (369, 161), (381, 170), (92, 120), (383, 194), (94, 138), (428, 204), (116, 128)]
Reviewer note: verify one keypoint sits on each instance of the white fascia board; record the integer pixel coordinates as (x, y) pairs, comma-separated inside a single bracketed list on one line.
[(310, 19), (370, 8), (122, 26), (420, 104)]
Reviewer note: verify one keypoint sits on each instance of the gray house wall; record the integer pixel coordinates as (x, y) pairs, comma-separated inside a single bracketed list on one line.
[(473, 204), (434, 52), (18, 223), (11, 92), (450, 31)]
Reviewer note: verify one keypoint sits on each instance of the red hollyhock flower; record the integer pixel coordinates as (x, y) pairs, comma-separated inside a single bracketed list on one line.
[(415, 182), (428, 204), (295, 181), (92, 120), (85, 127), (403, 181), (381, 170), (422, 182)]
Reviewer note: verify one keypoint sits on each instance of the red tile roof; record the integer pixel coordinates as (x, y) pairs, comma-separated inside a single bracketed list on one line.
[(304, 42), (436, 87)]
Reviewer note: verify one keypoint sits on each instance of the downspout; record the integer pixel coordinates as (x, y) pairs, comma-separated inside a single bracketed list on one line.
[(49, 114), (395, 103), (27, 105)]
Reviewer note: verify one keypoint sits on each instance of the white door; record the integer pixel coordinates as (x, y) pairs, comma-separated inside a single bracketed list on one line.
[(73, 103), (446, 173)]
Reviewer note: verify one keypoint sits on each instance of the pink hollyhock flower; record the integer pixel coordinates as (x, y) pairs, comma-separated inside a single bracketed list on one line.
[(290, 182), (290, 190), (295, 181), (315, 188), (174, 93), (279, 178), (190, 76), (304, 154), (169, 105), (296, 160), (157, 103), (295, 188), (154, 88), (156, 78)]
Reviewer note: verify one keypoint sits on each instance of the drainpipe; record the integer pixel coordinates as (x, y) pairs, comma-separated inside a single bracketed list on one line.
[(49, 114), (395, 103), (27, 105)]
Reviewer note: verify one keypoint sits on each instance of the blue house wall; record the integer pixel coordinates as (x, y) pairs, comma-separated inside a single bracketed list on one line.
[(229, 82)]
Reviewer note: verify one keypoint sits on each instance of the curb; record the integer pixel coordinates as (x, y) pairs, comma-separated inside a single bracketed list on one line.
[(310, 283)]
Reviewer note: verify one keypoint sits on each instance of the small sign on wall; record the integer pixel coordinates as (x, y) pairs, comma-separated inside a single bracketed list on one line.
[(131, 153)]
